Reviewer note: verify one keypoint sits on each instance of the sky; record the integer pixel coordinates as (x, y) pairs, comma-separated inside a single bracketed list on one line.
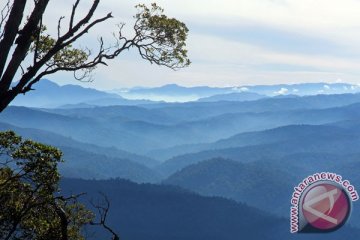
[(235, 43)]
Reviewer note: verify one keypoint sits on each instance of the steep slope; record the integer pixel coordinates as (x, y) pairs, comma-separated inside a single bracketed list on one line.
[(274, 135), (61, 141), (117, 113), (274, 144), (266, 184), (92, 162), (160, 212), (88, 130), (258, 185), (82, 164), (131, 134)]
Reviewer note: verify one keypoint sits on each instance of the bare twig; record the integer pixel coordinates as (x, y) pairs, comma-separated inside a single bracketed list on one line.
[(103, 210), (5, 11), (59, 26), (71, 23)]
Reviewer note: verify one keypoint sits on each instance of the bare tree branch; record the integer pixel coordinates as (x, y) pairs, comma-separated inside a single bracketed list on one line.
[(158, 39), (59, 26), (23, 43), (73, 14), (5, 11), (60, 44), (103, 210), (86, 30)]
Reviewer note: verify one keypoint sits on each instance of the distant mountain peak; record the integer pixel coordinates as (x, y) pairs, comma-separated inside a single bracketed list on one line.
[(49, 94)]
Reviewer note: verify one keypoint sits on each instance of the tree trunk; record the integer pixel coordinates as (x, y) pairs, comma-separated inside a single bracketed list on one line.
[(10, 31), (5, 99)]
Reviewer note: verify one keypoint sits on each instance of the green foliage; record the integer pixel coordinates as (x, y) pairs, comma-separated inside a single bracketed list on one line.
[(66, 57), (31, 206), (158, 39), (162, 38)]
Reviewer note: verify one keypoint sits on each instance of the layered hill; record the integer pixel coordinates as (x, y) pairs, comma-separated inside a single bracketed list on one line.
[(107, 128), (89, 161), (160, 212), (274, 144)]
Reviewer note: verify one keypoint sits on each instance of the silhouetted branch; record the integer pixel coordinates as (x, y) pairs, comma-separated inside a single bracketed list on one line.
[(103, 209), (158, 39), (5, 11)]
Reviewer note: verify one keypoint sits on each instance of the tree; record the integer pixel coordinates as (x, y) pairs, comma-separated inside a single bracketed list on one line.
[(158, 39), (31, 203)]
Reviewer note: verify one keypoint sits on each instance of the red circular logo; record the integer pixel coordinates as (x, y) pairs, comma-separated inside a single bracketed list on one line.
[(326, 206)]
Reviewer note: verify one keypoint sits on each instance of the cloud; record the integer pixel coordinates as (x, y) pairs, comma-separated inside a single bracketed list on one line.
[(339, 80), (240, 89), (282, 91), (237, 42), (333, 20), (217, 49), (244, 89)]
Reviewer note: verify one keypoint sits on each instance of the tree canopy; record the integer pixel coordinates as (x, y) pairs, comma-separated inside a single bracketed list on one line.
[(31, 203), (29, 52)]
